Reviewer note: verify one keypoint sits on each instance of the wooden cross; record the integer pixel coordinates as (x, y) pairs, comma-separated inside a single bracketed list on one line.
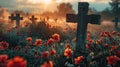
[(18, 18), (116, 20), (11, 17), (33, 19), (82, 19)]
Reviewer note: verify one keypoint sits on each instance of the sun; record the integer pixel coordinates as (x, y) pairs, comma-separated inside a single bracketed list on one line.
[(40, 1), (47, 1)]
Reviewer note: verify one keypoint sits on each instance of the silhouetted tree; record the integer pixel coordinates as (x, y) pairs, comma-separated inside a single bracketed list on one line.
[(64, 8), (115, 7)]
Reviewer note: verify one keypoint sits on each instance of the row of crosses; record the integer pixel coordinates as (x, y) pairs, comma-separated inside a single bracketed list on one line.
[(18, 18)]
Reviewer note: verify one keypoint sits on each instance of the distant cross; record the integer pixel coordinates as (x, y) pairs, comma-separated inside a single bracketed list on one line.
[(18, 18), (116, 20), (11, 17), (33, 19), (82, 19)]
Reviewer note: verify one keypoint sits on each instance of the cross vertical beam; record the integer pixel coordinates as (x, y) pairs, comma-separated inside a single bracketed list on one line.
[(116, 20), (116, 11), (18, 18), (82, 26)]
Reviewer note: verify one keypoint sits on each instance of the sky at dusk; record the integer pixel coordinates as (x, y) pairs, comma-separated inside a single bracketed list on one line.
[(48, 5)]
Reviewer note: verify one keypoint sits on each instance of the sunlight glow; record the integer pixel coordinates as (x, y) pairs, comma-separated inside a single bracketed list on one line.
[(40, 1)]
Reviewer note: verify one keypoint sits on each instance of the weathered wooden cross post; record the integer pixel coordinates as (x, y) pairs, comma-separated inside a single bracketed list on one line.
[(11, 17), (18, 18), (82, 18), (116, 20), (116, 12), (33, 19)]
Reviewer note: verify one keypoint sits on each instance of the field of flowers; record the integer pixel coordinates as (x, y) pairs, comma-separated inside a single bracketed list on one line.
[(27, 48)]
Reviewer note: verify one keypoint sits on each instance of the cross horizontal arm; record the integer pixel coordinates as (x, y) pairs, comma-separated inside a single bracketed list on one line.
[(71, 18), (116, 20), (94, 19)]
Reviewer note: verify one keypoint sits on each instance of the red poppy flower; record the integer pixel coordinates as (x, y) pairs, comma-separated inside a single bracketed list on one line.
[(114, 32), (50, 41), (112, 60), (118, 53), (78, 59), (91, 41), (26, 49), (118, 34), (45, 54), (67, 44), (88, 35), (45, 44), (38, 42), (37, 56), (3, 60), (98, 41), (56, 37), (16, 48), (29, 39), (113, 48), (4, 45), (17, 62), (109, 35), (88, 46), (68, 52), (103, 34), (49, 64), (52, 52)]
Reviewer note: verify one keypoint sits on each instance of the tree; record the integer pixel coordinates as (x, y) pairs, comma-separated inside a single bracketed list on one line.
[(64, 8), (115, 7)]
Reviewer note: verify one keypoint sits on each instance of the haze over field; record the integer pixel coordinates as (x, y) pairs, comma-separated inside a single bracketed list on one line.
[(43, 5)]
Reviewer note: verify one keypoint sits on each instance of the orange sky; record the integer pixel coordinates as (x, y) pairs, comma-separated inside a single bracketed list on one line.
[(48, 5)]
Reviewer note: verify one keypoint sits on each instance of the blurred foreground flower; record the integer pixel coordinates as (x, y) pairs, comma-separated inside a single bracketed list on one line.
[(112, 60), (68, 52), (4, 45), (45, 54), (50, 41), (38, 42), (29, 39), (78, 59), (3, 60), (52, 52), (56, 37), (49, 64), (17, 62)]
